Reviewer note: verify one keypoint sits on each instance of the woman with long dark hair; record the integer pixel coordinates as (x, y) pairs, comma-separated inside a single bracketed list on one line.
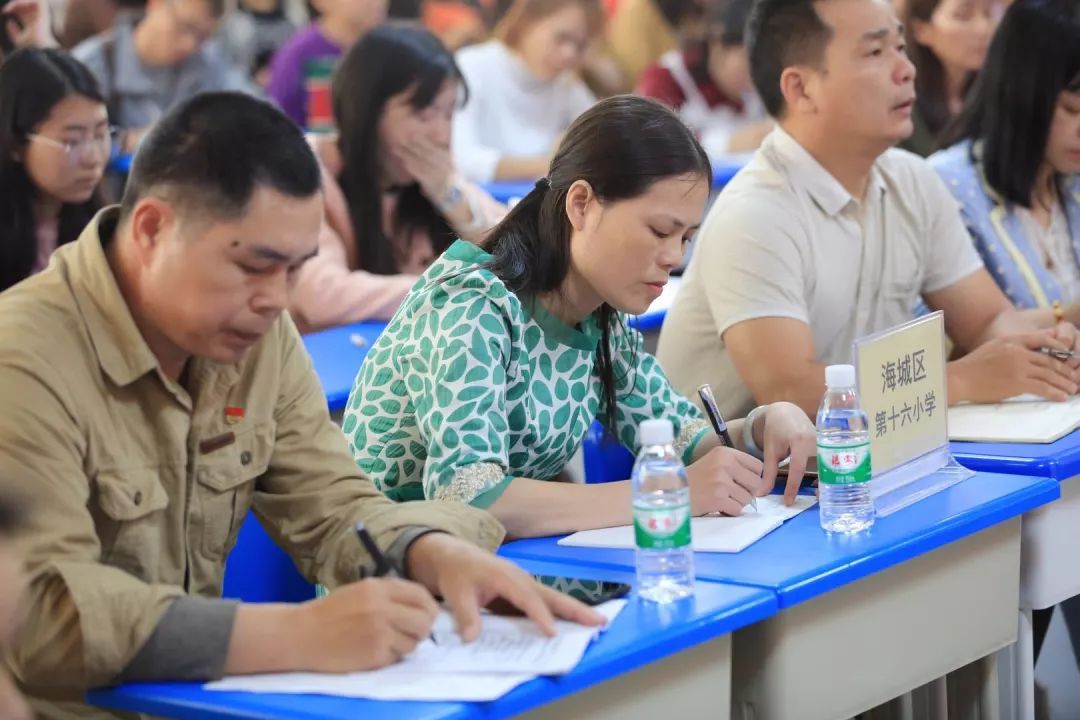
[(54, 143), (947, 40), (394, 199), (483, 386), (1015, 172)]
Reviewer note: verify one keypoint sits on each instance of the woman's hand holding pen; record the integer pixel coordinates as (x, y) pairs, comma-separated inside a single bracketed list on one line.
[(724, 480), (1006, 367), (1067, 334), (787, 432)]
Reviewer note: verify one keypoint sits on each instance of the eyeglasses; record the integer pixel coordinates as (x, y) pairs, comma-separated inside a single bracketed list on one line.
[(76, 150)]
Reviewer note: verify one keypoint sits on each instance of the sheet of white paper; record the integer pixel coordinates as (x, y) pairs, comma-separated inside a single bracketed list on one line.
[(710, 533), (385, 684), (1020, 419), (509, 652), (507, 645), (774, 505)]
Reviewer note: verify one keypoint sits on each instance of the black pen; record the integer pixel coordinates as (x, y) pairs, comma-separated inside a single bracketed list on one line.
[(717, 420), (382, 565)]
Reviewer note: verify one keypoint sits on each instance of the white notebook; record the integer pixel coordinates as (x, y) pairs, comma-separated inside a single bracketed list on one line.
[(510, 651), (713, 533), (1023, 419)]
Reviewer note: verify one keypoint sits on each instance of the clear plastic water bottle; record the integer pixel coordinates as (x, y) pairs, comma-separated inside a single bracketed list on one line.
[(843, 442), (661, 497)]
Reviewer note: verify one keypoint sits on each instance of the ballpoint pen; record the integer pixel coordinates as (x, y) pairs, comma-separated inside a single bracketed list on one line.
[(1059, 354), (382, 565), (719, 426)]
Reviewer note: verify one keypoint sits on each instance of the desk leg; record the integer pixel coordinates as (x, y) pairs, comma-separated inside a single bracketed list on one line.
[(1024, 668), (890, 632), (973, 691), (988, 682), (930, 702), (693, 684)]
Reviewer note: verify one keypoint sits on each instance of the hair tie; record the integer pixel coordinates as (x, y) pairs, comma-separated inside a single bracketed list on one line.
[(543, 184)]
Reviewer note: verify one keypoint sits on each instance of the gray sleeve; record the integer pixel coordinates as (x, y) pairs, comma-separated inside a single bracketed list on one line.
[(190, 643), (395, 554)]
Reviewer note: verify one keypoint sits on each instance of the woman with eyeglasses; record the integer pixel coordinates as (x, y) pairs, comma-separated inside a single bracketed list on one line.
[(55, 140)]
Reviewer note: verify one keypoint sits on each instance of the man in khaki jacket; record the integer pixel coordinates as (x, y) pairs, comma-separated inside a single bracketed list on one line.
[(153, 391), (12, 706)]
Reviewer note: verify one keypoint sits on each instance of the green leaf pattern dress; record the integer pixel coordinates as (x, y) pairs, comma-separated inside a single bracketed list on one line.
[(469, 387)]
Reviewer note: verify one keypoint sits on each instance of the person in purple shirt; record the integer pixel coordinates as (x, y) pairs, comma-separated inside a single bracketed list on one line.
[(300, 71)]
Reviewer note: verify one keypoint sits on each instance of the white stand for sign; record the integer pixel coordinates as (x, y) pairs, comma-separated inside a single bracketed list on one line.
[(918, 464), (916, 480)]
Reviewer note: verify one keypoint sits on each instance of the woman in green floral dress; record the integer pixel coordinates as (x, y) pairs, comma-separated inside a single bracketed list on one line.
[(485, 383)]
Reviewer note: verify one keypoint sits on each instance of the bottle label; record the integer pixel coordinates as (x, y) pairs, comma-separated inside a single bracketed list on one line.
[(666, 528), (843, 464)]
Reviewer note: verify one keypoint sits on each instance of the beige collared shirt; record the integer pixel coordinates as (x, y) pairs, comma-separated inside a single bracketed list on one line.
[(138, 485), (785, 239)]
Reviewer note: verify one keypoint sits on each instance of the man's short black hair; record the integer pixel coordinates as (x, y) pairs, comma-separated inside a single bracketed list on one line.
[(780, 34), (210, 154)]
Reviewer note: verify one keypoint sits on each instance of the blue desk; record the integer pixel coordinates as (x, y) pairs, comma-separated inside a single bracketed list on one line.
[(799, 561), (894, 607), (674, 660), (1049, 572), (644, 638), (1058, 460), (337, 358), (506, 191), (191, 702)]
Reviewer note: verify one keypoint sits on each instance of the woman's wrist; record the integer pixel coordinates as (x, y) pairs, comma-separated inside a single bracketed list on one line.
[(754, 431), (460, 210), (449, 199)]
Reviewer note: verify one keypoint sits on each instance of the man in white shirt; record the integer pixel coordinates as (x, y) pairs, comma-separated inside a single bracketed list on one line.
[(829, 234)]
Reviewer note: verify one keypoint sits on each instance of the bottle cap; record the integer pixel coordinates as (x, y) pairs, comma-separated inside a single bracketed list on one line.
[(656, 432), (840, 376)]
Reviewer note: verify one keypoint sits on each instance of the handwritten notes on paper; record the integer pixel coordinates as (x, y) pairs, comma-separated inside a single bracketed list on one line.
[(510, 651)]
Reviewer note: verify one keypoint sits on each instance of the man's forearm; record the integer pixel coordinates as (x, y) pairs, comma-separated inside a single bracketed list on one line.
[(266, 638), (806, 391), (1012, 322)]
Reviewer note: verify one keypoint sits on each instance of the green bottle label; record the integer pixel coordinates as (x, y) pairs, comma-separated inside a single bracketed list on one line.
[(665, 528), (843, 464)]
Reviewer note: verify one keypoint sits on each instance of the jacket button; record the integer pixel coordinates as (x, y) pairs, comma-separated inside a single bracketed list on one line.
[(245, 458), (138, 497)]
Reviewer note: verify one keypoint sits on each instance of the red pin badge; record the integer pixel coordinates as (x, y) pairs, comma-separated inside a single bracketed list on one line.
[(234, 415)]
